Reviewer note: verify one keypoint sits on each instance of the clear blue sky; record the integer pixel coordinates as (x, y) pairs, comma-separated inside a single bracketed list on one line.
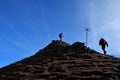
[(26, 26)]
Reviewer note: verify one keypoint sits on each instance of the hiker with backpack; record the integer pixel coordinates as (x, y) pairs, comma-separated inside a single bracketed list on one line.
[(103, 43), (60, 36)]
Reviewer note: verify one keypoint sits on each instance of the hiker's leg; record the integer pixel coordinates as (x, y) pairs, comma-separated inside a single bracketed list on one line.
[(103, 48)]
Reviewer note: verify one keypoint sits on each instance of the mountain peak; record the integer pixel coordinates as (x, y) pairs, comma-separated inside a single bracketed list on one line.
[(60, 60), (57, 46)]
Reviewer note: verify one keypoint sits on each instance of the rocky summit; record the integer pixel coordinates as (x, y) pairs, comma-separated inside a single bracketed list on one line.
[(62, 61)]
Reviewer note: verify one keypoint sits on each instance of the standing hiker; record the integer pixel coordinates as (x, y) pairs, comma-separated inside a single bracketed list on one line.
[(60, 36), (103, 43)]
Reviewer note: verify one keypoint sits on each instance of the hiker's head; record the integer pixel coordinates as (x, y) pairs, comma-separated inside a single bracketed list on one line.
[(102, 38)]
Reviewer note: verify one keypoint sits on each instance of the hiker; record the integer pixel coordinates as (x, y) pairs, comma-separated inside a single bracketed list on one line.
[(60, 36), (103, 43)]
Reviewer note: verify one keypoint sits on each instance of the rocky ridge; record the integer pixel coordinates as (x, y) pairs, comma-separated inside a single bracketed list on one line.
[(62, 61)]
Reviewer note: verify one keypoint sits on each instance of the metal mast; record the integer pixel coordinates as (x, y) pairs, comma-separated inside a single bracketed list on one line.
[(87, 30)]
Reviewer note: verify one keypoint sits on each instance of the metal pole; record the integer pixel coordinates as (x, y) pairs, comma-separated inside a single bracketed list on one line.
[(87, 30), (86, 36)]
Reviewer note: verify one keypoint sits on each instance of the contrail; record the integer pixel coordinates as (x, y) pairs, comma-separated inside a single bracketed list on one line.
[(14, 41), (44, 20)]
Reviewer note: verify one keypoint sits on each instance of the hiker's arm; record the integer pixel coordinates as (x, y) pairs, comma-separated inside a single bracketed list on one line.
[(107, 44)]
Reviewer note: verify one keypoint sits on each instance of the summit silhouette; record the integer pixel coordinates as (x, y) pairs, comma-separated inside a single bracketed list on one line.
[(64, 62)]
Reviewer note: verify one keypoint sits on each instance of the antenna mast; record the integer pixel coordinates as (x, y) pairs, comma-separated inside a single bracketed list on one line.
[(87, 30)]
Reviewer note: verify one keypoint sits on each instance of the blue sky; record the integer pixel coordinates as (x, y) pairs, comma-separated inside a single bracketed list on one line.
[(26, 26)]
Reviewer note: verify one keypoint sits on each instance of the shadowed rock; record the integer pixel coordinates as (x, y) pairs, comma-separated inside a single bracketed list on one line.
[(60, 60)]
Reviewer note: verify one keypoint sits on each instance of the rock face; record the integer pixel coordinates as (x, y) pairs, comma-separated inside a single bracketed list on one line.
[(62, 61)]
